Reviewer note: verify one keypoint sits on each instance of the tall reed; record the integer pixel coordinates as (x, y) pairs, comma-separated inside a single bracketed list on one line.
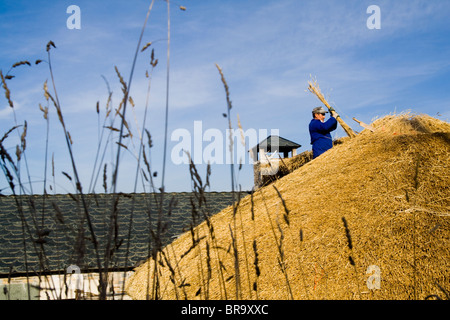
[(11, 170)]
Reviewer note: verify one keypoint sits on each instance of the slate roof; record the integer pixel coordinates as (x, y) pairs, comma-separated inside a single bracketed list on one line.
[(283, 144), (49, 234)]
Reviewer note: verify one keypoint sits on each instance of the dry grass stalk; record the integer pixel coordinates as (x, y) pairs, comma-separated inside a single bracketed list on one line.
[(257, 269), (20, 63), (7, 92), (148, 44), (10, 169)]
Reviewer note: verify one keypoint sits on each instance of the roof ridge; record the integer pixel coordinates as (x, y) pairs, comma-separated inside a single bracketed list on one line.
[(118, 193)]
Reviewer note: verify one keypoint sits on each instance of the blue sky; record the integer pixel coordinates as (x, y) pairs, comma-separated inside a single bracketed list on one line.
[(267, 50)]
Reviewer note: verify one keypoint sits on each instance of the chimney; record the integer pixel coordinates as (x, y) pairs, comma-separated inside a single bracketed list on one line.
[(266, 156)]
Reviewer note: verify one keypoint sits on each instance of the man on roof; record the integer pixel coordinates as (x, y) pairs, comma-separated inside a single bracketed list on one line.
[(320, 130)]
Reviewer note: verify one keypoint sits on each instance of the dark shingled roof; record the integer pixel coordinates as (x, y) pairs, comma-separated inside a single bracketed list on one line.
[(282, 144), (54, 232)]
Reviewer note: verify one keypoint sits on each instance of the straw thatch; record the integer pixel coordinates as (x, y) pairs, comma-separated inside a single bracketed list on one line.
[(264, 173), (380, 199)]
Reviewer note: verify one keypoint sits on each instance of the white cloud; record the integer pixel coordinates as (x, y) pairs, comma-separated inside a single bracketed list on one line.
[(5, 112)]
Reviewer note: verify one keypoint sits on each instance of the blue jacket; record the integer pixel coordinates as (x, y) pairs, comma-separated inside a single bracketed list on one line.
[(320, 135)]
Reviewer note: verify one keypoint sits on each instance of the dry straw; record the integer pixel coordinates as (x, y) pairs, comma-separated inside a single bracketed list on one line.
[(314, 88), (392, 187)]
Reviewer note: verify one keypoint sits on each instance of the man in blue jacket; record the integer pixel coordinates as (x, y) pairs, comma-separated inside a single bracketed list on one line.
[(319, 129)]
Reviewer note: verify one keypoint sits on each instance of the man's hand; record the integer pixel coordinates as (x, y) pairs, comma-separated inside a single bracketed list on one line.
[(334, 114)]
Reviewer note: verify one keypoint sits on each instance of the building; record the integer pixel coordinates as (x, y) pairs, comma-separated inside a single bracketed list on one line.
[(267, 155), (54, 246)]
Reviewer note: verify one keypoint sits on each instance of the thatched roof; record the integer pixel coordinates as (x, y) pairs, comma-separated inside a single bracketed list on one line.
[(380, 199)]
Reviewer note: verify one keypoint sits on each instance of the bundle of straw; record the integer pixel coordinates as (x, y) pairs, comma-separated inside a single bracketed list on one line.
[(314, 88)]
